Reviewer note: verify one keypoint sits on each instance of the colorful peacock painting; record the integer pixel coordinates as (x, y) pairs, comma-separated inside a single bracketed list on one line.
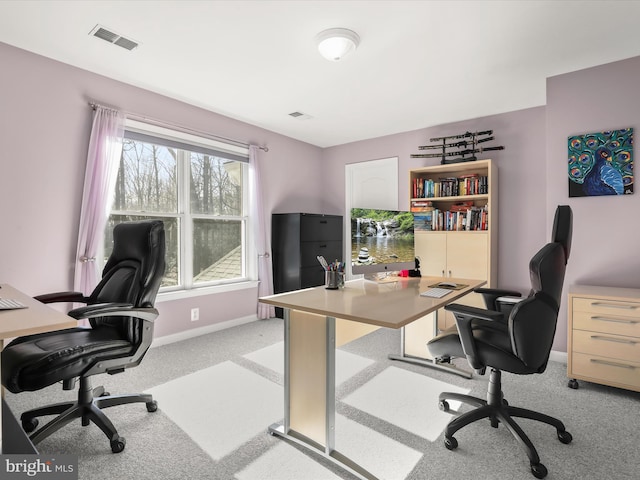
[(601, 163)]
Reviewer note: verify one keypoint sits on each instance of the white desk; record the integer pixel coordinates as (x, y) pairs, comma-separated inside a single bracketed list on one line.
[(37, 318), (316, 320)]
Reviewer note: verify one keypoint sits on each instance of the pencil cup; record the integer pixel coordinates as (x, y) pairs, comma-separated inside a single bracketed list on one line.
[(333, 280)]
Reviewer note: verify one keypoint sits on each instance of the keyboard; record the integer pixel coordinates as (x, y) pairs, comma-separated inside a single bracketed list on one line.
[(435, 292), (9, 304)]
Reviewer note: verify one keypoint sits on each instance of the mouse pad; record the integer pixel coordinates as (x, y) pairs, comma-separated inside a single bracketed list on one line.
[(459, 286)]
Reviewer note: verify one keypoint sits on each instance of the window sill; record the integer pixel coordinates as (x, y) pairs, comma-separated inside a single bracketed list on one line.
[(210, 290)]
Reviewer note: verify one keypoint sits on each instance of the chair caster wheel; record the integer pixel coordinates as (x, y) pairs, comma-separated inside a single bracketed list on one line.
[(565, 437), (30, 425), (539, 470), (573, 383), (152, 406), (443, 405), (451, 443), (118, 444)]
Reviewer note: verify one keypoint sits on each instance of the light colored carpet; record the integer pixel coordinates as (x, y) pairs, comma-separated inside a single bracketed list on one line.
[(602, 420), (386, 458), (225, 406), (284, 462), (377, 453), (407, 400), (221, 407)]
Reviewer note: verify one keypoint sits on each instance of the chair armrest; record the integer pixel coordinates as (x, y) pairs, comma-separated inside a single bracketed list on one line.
[(114, 310), (62, 297), (509, 300), (474, 312), (491, 296), (498, 292), (464, 316)]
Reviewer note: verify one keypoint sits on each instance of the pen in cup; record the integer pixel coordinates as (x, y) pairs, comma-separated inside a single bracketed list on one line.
[(333, 273)]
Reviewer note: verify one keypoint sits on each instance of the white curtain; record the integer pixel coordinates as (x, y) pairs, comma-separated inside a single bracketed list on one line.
[(262, 243), (103, 160)]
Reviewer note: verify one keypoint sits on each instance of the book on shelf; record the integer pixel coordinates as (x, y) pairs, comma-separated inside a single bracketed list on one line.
[(471, 219), (423, 222), (461, 206), (470, 184), (466, 183), (421, 206), (449, 187)]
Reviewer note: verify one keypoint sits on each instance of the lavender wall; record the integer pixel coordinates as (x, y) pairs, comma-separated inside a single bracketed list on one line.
[(521, 177), (44, 130), (605, 247)]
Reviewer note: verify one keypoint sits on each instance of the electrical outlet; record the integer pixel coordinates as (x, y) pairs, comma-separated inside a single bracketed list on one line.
[(195, 314)]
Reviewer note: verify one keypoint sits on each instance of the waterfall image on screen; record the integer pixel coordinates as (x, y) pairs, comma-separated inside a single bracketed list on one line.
[(381, 241)]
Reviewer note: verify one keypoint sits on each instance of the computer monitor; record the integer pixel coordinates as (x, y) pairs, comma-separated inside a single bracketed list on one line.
[(381, 241)]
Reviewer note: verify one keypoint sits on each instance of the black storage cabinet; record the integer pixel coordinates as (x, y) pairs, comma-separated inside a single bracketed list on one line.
[(296, 240)]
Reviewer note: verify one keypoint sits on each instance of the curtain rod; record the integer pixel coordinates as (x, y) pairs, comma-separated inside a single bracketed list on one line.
[(162, 123)]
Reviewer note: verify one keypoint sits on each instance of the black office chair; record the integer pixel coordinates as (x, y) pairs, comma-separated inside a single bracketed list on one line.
[(448, 344), (502, 300), (120, 312), (518, 342)]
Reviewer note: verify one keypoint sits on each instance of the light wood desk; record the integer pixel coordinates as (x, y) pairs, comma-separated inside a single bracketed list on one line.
[(36, 318), (316, 320)]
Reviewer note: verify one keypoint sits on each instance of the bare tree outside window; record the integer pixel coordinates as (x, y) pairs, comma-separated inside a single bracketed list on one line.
[(216, 190), (209, 221)]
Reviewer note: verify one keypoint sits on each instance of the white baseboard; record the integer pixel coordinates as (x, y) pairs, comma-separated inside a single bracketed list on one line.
[(196, 332), (560, 357)]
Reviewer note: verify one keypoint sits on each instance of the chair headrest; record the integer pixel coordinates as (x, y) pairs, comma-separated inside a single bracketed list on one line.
[(136, 240), (563, 228), (142, 242)]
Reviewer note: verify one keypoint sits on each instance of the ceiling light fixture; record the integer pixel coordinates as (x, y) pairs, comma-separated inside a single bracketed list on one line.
[(335, 43)]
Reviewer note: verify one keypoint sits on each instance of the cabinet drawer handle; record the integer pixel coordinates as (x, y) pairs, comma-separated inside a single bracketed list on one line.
[(615, 320), (323, 221), (323, 246), (612, 364), (613, 305), (612, 339)]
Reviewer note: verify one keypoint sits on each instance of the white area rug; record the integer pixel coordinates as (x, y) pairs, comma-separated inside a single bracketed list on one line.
[(221, 407), (284, 462), (406, 399), (272, 357), (387, 459)]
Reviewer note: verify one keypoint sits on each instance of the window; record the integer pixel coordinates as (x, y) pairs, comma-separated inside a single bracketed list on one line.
[(198, 188)]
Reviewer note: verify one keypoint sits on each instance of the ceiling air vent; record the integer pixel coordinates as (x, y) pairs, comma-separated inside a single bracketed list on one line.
[(300, 115), (115, 38)]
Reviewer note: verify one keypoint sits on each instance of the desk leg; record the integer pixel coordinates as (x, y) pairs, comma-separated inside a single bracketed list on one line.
[(413, 346), (309, 388)]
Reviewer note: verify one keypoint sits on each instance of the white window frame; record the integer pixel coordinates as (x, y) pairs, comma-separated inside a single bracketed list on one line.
[(186, 287)]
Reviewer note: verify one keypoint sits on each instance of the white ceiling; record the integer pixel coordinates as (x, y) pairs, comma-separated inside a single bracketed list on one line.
[(419, 64)]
